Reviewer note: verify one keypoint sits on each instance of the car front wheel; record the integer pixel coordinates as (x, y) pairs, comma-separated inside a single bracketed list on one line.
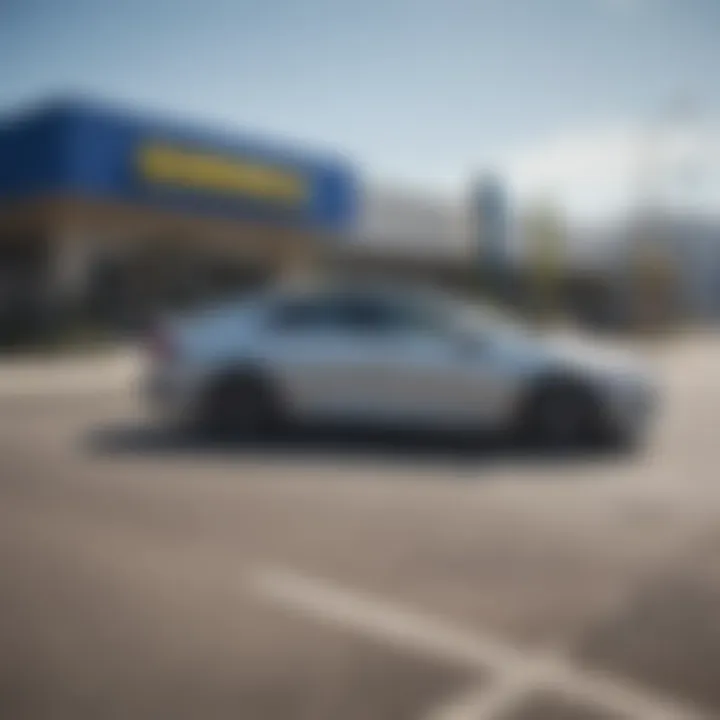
[(560, 413)]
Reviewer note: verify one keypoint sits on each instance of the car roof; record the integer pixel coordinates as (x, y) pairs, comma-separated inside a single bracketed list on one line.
[(353, 288)]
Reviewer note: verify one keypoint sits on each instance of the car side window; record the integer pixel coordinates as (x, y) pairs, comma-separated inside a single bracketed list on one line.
[(352, 314), (363, 315), (300, 315), (380, 315)]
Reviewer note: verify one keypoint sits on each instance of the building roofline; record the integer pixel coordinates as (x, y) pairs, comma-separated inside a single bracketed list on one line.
[(220, 135)]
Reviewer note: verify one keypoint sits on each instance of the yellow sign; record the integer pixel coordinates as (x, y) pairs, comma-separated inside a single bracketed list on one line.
[(207, 172)]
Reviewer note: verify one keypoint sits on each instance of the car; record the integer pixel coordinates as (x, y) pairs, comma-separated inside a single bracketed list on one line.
[(391, 356)]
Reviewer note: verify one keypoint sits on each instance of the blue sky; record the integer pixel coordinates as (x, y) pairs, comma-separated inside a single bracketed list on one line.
[(421, 90)]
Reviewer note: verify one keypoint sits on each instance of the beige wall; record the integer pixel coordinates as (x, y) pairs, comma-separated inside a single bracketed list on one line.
[(117, 222)]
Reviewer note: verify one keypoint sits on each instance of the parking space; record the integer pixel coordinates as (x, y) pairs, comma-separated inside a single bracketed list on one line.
[(356, 577)]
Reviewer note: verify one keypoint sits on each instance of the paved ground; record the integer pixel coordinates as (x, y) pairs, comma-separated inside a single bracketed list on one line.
[(354, 578)]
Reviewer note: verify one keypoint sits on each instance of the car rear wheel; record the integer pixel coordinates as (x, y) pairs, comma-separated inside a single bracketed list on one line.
[(238, 406), (562, 414)]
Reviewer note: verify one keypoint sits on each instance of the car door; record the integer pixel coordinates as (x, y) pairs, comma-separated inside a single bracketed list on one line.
[(329, 354), (452, 380), (383, 357), (425, 371)]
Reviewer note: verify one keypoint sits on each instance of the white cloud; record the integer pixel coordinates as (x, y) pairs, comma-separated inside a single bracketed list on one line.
[(624, 5), (600, 171)]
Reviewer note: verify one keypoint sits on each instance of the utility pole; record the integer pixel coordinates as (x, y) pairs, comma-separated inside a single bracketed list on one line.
[(491, 230)]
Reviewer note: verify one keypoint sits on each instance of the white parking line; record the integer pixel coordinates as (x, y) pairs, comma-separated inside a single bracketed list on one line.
[(483, 703), (517, 672)]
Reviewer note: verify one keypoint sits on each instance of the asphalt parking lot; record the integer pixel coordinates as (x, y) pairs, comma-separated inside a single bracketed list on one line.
[(142, 576)]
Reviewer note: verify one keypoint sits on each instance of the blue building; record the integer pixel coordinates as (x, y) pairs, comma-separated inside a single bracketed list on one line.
[(116, 213)]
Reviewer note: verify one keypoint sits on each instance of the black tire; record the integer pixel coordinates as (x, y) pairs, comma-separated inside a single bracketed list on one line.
[(238, 405), (562, 414)]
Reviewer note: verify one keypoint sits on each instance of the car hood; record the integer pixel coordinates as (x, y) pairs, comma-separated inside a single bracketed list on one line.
[(570, 352), (583, 354)]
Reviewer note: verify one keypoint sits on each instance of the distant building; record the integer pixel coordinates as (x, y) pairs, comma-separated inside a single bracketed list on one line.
[(117, 213), (408, 232), (426, 234), (402, 220), (691, 247), (681, 249), (111, 215)]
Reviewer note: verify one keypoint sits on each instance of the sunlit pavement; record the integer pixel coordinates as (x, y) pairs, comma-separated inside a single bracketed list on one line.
[(145, 577)]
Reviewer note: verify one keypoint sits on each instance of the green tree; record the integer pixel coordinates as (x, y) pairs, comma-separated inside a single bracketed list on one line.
[(545, 233)]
